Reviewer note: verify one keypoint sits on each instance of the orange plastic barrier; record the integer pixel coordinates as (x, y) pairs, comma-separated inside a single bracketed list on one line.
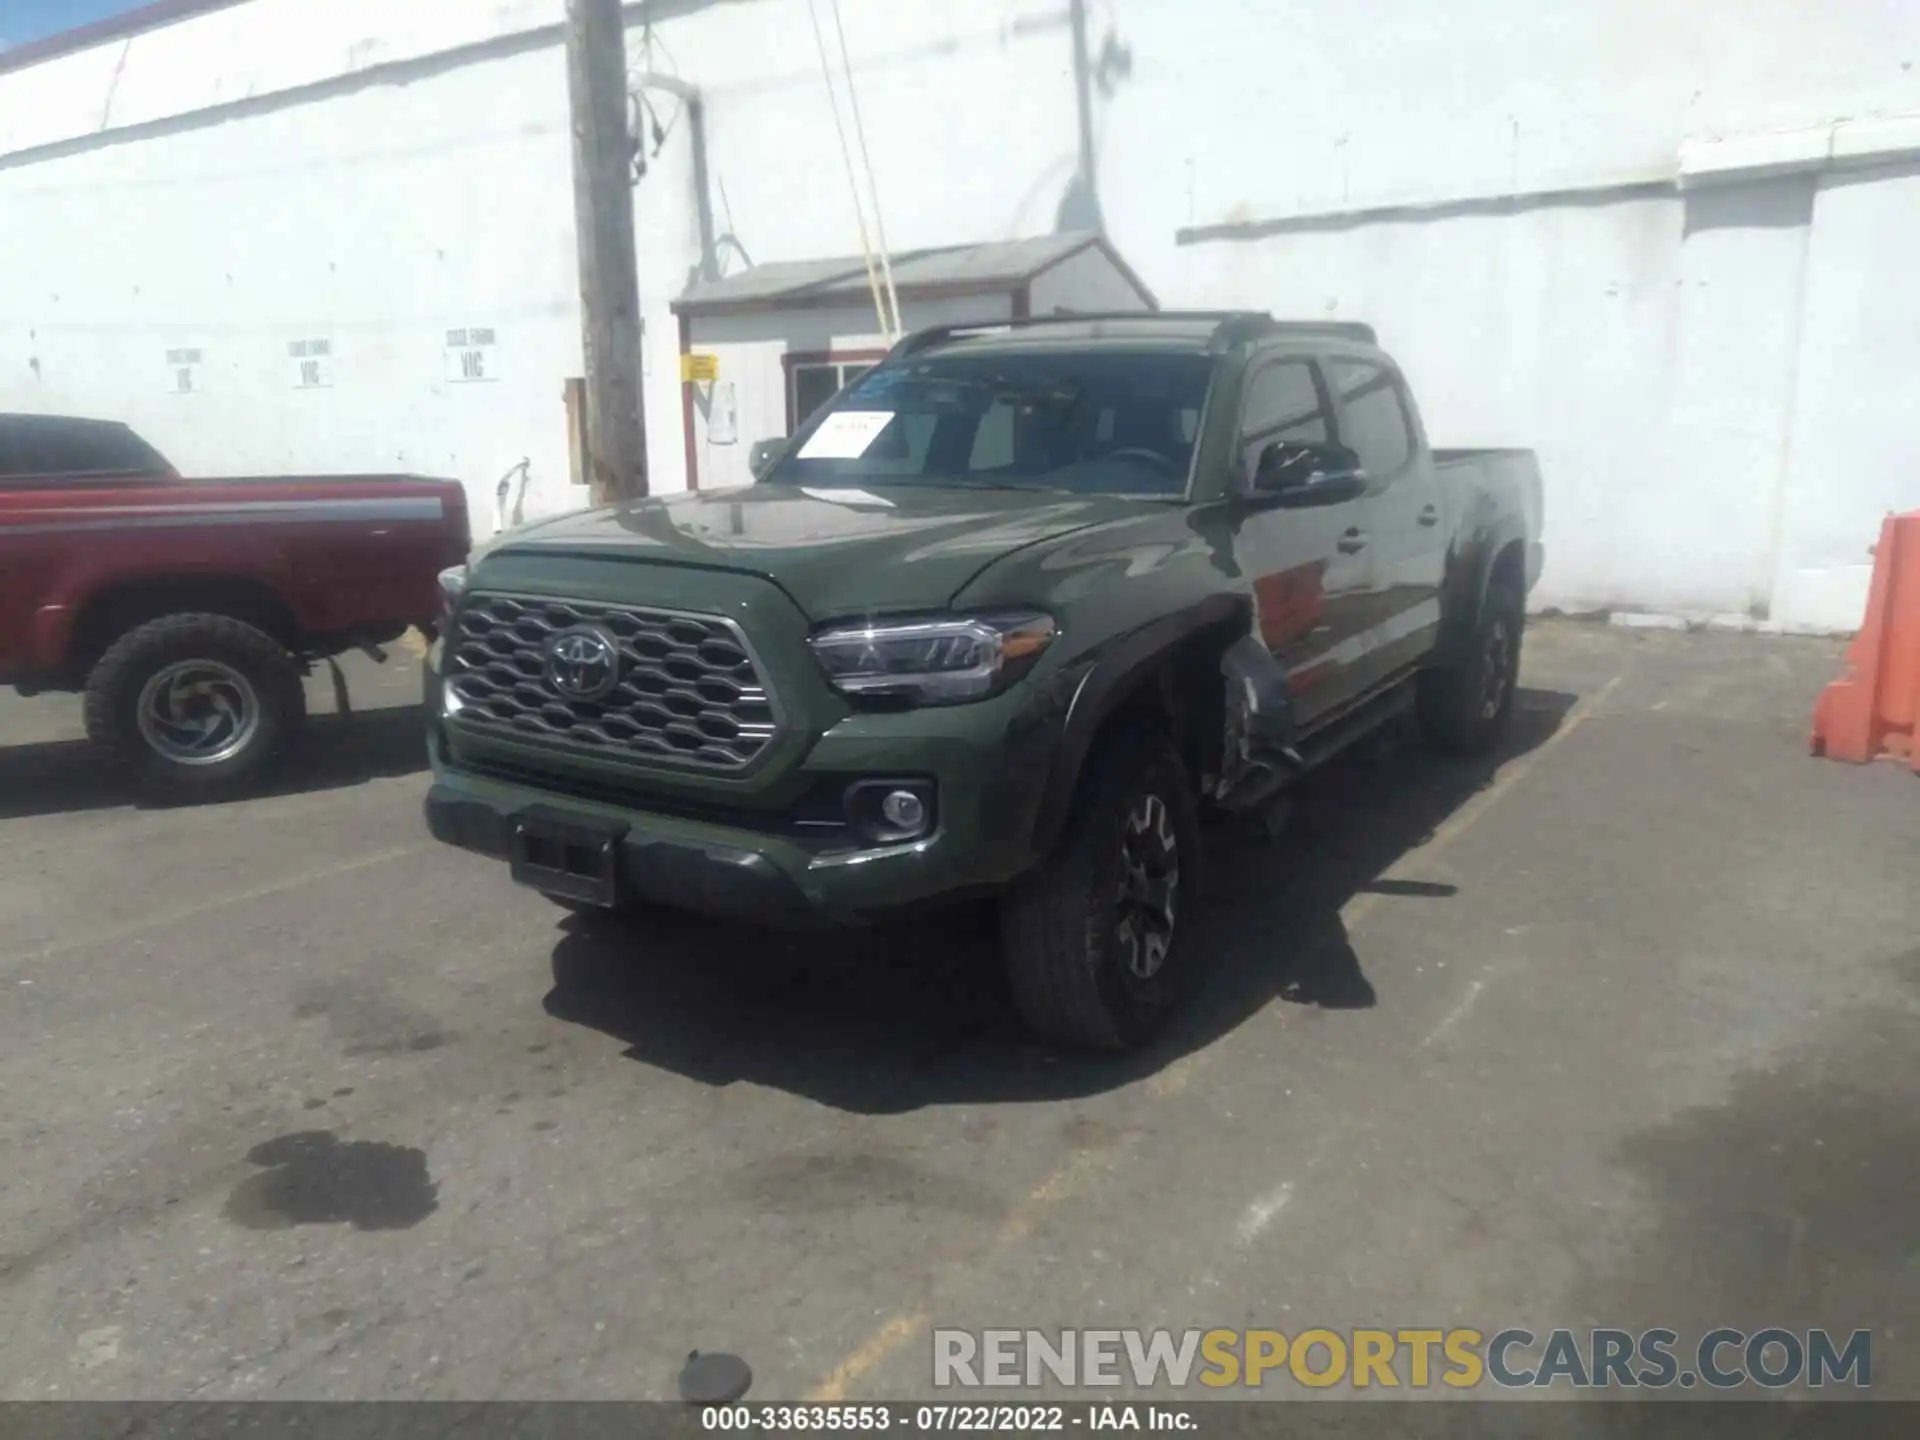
[(1869, 713)]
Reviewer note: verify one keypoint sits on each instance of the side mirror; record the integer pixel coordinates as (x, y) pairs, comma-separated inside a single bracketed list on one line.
[(1294, 472), (766, 454)]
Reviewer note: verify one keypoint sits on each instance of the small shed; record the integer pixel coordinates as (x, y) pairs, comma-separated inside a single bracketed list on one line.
[(761, 350)]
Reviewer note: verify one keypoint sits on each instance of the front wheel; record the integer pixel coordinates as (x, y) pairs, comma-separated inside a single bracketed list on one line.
[(194, 707), (1093, 941)]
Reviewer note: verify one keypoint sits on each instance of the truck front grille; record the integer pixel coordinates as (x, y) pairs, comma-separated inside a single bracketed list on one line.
[(680, 689)]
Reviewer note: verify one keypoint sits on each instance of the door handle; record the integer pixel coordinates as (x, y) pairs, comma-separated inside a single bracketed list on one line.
[(1354, 541), (1430, 515)]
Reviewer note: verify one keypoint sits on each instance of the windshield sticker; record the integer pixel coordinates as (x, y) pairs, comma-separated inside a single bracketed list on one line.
[(846, 497), (845, 435)]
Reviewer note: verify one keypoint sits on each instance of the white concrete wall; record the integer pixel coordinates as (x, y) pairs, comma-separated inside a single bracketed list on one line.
[(1855, 439), (1646, 345), (377, 219), (378, 174), (1723, 460), (1250, 110)]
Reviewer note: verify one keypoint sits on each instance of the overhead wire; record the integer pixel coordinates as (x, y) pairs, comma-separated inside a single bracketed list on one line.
[(853, 182), (866, 160)]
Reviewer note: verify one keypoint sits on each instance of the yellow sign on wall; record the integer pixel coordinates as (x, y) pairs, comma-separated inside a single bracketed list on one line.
[(699, 369)]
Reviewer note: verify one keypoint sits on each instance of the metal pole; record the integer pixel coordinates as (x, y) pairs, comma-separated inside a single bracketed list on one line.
[(1083, 102), (609, 270)]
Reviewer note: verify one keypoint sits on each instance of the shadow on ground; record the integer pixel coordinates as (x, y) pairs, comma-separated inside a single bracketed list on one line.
[(885, 1022), (64, 776), (1794, 1202)]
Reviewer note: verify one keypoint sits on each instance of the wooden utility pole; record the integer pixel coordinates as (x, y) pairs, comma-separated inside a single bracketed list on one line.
[(609, 272)]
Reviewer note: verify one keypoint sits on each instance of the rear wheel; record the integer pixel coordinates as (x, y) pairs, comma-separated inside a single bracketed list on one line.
[(1465, 707), (1093, 941), (194, 707)]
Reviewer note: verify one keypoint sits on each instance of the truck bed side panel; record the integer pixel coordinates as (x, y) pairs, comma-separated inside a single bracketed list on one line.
[(341, 555), (1493, 500)]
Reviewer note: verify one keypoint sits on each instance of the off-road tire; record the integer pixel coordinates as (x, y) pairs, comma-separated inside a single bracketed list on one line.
[(1464, 708), (1060, 927), (116, 685)]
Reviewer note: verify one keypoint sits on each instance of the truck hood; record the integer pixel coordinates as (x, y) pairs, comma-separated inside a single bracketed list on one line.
[(834, 551)]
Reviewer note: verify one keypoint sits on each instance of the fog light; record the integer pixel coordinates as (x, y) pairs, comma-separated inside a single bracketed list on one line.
[(889, 810), (904, 810)]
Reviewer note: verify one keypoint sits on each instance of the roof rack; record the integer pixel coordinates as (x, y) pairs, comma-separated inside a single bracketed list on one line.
[(1255, 326), (1231, 327)]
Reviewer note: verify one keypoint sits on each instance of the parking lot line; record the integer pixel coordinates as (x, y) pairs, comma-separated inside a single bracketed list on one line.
[(898, 1329), (901, 1327), (220, 902)]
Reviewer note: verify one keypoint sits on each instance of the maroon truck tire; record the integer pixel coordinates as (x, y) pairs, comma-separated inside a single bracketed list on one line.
[(195, 707)]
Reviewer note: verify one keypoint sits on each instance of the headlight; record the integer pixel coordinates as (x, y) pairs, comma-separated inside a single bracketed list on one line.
[(933, 662), (453, 580)]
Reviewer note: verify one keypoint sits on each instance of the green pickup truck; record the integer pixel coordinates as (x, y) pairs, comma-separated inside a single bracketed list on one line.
[(1001, 619)]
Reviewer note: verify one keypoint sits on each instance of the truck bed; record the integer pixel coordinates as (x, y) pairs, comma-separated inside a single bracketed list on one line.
[(336, 556)]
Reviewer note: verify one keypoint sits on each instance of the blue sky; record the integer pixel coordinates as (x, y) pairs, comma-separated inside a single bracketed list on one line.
[(24, 20)]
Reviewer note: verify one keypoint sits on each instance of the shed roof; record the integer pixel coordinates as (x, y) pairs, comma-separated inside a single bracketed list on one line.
[(992, 268)]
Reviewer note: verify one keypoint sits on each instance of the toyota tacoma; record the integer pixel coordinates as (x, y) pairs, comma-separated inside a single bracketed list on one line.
[(1000, 619)]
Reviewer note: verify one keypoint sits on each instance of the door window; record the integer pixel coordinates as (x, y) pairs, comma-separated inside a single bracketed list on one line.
[(1283, 403), (1373, 417)]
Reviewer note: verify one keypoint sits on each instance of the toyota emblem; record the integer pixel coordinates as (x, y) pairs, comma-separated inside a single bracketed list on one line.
[(582, 664)]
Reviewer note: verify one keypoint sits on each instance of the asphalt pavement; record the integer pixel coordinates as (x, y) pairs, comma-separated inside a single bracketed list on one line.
[(1623, 1029)]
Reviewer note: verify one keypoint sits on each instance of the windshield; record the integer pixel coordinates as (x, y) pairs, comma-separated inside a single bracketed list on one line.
[(1114, 423)]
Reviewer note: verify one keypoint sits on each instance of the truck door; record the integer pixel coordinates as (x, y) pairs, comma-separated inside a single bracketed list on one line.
[(1309, 565), (1405, 522)]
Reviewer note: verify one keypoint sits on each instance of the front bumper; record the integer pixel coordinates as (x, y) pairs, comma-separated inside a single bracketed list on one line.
[(751, 844), (687, 871), (988, 763)]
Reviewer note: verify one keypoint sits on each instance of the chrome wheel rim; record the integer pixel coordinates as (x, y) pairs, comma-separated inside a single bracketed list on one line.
[(1496, 670), (198, 712), (1149, 887)]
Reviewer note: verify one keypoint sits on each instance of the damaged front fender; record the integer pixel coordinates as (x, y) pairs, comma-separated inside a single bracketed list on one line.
[(1257, 756)]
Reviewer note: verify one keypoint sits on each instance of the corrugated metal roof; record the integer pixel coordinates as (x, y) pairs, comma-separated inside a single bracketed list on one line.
[(1000, 264)]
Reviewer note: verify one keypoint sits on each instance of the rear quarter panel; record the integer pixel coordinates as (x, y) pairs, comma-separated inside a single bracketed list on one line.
[(1494, 500)]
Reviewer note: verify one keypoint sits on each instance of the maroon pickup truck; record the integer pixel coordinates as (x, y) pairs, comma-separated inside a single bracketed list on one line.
[(188, 611)]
